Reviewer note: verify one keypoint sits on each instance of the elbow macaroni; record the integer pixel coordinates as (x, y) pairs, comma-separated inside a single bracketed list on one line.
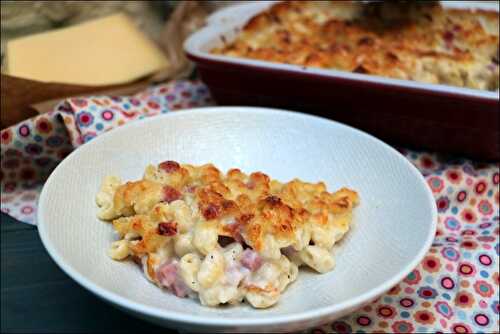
[(119, 250), (211, 269), (318, 258), (104, 198), (184, 244), (190, 266), (190, 228)]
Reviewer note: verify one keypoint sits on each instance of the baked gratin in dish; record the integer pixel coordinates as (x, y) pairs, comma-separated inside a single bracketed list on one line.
[(429, 43), (224, 238)]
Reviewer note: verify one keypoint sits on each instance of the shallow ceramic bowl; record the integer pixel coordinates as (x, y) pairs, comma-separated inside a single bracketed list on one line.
[(392, 229)]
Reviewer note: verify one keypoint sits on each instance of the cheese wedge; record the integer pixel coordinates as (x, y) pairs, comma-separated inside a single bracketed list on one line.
[(105, 51)]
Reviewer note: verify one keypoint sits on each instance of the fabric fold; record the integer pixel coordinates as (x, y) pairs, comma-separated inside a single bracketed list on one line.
[(454, 289), (32, 149)]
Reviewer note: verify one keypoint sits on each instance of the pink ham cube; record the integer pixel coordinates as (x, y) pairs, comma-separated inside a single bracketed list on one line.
[(251, 259), (168, 276)]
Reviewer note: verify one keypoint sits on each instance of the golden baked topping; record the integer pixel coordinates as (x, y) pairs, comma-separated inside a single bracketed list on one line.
[(430, 44)]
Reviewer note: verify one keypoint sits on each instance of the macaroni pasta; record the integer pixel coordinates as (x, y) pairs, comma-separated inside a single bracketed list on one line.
[(224, 238)]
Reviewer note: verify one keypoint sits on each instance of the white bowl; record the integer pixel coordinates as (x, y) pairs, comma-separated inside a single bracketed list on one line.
[(392, 230)]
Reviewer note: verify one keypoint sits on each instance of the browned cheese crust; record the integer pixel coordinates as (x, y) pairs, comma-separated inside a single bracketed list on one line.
[(456, 47), (241, 206)]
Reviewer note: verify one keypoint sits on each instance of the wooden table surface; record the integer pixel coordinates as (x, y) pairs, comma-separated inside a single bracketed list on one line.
[(36, 296)]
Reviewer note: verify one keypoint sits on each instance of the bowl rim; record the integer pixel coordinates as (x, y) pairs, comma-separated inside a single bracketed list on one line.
[(193, 319)]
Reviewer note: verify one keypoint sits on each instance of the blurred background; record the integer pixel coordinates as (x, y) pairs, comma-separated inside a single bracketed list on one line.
[(448, 137)]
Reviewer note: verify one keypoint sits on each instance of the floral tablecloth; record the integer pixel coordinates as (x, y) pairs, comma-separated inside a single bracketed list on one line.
[(454, 289)]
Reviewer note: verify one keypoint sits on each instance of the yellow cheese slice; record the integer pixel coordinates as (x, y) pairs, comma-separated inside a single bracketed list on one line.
[(105, 51)]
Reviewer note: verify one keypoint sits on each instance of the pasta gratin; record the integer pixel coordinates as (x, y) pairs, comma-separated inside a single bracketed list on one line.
[(429, 44), (226, 238)]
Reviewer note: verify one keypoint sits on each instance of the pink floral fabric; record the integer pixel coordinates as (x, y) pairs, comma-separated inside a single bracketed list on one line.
[(31, 149), (454, 289)]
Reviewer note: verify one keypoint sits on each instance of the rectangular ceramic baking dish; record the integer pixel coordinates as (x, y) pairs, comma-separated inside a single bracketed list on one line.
[(442, 118)]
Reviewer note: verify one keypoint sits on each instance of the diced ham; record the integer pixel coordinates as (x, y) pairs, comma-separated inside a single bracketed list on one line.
[(179, 288), (169, 166), (238, 237), (235, 226), (245, 218), (273, 200), (448, 37), (234, 229), (167, 228), (366, 41), (228, 205), (168, 276), (251, 259), (211, 211), (170, 194)]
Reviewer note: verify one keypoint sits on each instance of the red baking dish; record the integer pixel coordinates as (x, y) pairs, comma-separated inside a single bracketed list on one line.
[(443, 118)]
